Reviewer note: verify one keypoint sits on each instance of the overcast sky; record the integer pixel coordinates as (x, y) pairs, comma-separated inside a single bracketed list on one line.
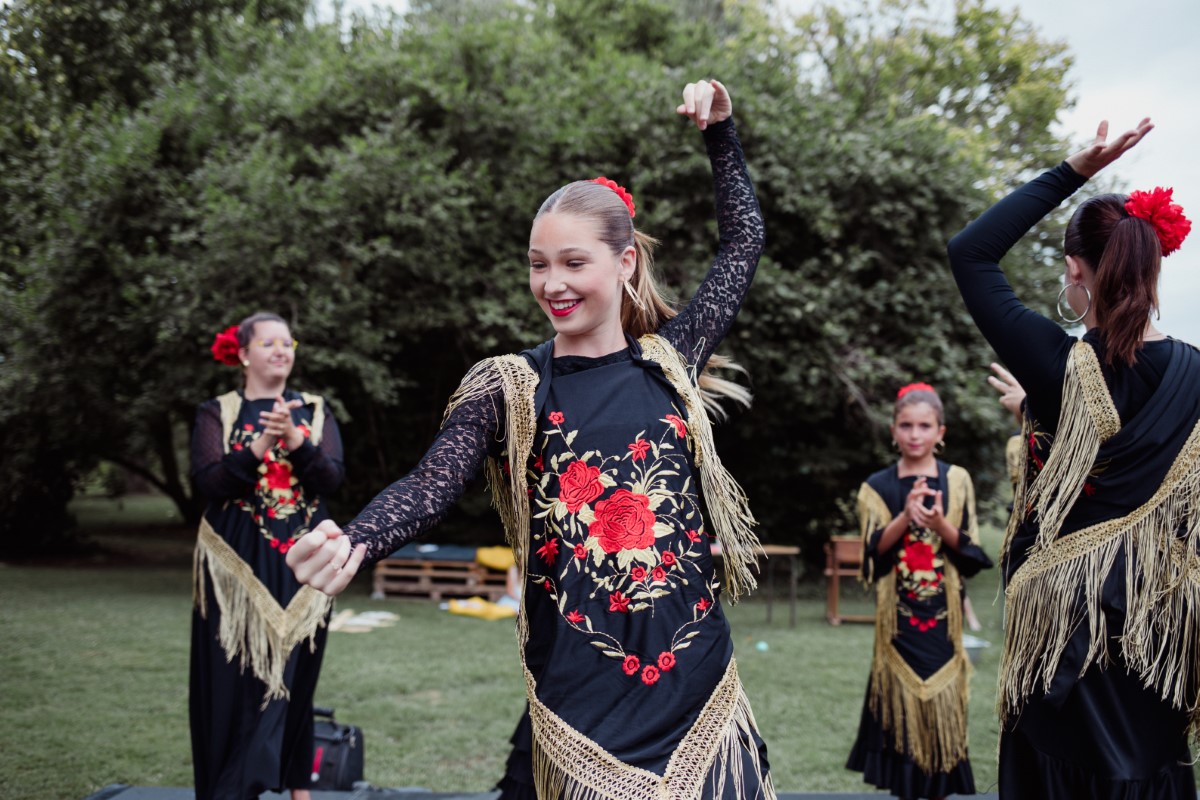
[(1132, 59)]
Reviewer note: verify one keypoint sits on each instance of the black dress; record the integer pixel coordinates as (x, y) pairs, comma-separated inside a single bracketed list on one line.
[(916, 746), (241, 747), (1086, 712), (625, 647)]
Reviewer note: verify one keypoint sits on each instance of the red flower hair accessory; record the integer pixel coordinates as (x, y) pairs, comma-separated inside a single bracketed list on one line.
[(914, 387), (225, 347), (621, 191), (1167, 218)]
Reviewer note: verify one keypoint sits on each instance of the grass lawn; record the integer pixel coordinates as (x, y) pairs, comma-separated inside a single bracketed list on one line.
[(93, 676)]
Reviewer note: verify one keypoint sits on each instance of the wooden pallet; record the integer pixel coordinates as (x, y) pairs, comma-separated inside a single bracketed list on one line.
[(436, 579)]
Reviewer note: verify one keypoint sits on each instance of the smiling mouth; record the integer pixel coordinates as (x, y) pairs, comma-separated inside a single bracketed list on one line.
[(561, 308)]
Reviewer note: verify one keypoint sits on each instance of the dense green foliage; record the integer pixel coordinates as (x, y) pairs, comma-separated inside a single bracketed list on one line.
[(374, 182)]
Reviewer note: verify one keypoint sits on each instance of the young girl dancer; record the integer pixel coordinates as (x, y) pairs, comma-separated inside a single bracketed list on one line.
[(1099, 681), (601, 461), (919, 540)]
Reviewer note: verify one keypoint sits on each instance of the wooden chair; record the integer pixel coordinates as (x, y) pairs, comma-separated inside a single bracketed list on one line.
[(843, 559)]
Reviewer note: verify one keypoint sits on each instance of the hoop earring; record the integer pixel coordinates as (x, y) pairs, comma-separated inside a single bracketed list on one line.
[(637, 301), (1063, 293)]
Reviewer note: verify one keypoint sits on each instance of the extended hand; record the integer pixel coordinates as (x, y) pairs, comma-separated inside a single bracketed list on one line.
[(323, 559), (1012, 393), (1100, 153), (705, 102)]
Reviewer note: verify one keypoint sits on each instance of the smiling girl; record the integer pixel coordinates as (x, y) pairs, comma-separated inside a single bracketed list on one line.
[(600, 456), (919, 539)]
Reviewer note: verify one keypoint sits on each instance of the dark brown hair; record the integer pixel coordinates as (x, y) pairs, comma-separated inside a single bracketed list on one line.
[(246, 327), (1124, 253), (914, 396)]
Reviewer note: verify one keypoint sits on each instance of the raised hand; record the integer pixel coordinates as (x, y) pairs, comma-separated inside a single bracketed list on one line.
[(1012, 394), (705, 103), (324, 560), (1101, 152), (278, 424)]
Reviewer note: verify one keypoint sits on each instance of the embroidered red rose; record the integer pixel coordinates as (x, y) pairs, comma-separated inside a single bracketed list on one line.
[(659, 574), (666, 661), (549, 551), (225, 347), (668, 558), (639, 449), (537, 464), (304, 431), (549, 587), (680, 425), (274, 544), (279, 476), (631, 665), (638, 574), (580, 551), (556, 418), (271, 513), (247, 427), (284, 547), (650, 675), (579, 485), (575, 617), (918, 556), (617, 602), (237, 445), (703, 604), (623, 522), (693, 536)]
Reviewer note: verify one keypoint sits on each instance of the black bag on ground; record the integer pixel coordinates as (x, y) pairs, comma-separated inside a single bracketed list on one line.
[(337, 752)]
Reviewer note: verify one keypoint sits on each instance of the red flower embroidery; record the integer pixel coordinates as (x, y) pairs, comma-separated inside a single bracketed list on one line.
[(556, 418), (650, 675), (623, 522), (693, 536), (631, 665), (1089, 488), (666, 661), (549, 587), (284, 547), (617, 602), (638, 574), (579, 485), (537, 464), (274, 544), (659, 574), (575, 617), (639, 449), (271, 513), (279, 476), (549, 551), (237, 445), (918, 556), (680, 425), (703, 604), (304, 430), (668, 558), (580, 551), (247, 427)]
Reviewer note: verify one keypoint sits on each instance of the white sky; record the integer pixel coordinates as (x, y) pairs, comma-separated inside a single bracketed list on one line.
[(1132, 60)]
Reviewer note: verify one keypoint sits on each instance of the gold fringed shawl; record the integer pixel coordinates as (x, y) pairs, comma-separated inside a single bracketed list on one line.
[(927, 719), (254, 628), (1059, 586), (568, 764)]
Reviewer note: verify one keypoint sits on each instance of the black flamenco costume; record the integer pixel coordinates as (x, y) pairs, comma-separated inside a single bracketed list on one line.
[(604, 473), (1098, 682), (257, 635), (912, 736)]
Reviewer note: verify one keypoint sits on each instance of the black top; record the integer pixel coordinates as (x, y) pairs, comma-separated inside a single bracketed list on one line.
[(417, 502), (1034, 348)]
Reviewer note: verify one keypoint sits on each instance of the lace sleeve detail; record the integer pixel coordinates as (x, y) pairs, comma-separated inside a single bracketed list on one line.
[(421, 499), (217, 475), (702, 325)]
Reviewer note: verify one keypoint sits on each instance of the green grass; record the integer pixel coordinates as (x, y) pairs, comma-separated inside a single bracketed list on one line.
[(93, 676)]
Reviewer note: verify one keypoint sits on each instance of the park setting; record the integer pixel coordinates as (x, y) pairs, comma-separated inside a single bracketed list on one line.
[(252, 247)]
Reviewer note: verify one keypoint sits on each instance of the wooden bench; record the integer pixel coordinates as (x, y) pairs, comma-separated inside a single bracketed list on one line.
[(436, 579), (843, 559)]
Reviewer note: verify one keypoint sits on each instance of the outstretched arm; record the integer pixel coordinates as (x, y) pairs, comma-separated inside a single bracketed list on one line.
[(701, 326)]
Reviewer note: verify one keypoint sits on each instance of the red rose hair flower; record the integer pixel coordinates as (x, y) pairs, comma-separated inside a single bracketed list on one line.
[(914, 387), (225, 347), (1155, 207), (621, 191)]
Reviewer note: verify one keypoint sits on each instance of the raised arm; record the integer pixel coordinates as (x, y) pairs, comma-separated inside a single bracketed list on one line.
[(701, 326)]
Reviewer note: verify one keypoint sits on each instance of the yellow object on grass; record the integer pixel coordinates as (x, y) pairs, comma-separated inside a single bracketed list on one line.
[(499, 558), (482, 609)]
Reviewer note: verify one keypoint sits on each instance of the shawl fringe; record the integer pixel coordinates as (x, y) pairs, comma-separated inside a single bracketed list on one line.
[(254, 628)]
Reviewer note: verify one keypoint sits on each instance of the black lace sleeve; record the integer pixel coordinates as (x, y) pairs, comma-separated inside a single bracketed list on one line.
[(702, 325), (216, 475), (414, 504), (320, 469)]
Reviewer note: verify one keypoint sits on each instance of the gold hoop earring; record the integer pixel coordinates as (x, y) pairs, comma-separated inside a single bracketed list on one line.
[(1063, 293), (637, 301)]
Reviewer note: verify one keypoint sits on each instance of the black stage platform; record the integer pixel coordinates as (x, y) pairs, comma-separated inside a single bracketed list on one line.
[(122, 792)]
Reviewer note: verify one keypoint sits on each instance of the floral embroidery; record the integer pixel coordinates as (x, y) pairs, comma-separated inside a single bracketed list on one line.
[(639, 449), (624, 522), (679, 425), (638, 574), (575, 617), (549, 551), (666, 660), (919, 567), (580, 551), (650, 675), (579, 485), (631, 664), (278, 495), (557, 418)]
